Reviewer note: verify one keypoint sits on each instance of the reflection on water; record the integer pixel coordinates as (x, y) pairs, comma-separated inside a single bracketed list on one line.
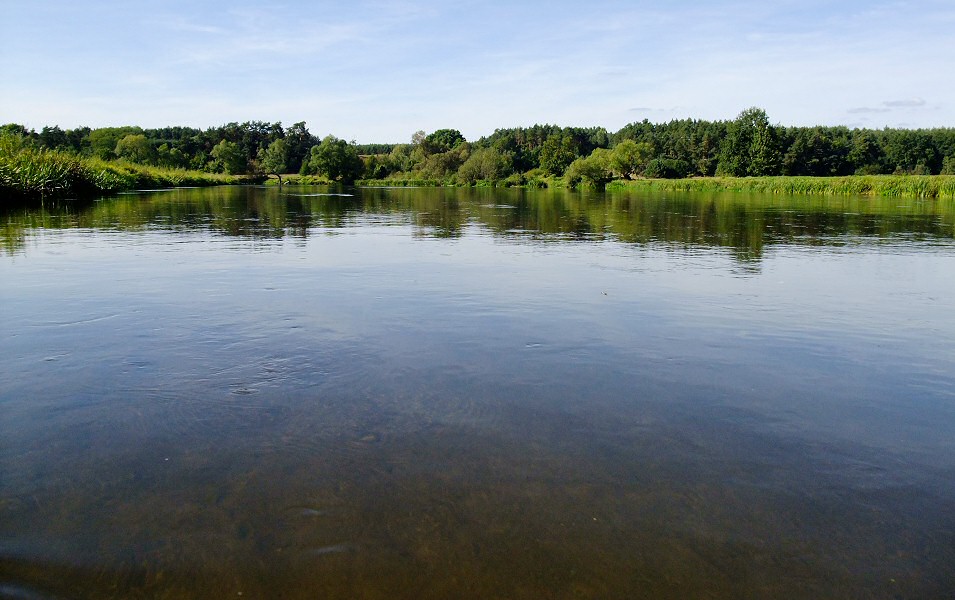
[(477, 393), (742, 222)]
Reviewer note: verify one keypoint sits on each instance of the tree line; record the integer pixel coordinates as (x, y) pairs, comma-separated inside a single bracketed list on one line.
[(748, 145)]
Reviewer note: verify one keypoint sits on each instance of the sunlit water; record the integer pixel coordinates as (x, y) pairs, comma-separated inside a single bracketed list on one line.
[(477, 394)]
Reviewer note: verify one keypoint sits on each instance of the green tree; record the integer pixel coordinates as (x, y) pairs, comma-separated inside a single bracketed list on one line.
[(335, 159), (54, 137), (103, 141), (865, 154), (443, 165), (171, 157), (442, 140), (629, 158), (299, 142), (16, 129), (229, 157), (666, 168), (135, 148), (274, 159), (911, 151), (557, 152), (751, 146), (487, 164), (594, 171), (400, 158), (375, 166)]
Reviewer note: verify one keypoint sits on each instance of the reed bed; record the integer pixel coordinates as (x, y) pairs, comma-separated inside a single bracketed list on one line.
[(901, 186), (30, 173)]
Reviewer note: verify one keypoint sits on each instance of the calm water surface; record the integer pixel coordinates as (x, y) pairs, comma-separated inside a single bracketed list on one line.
[(419, 393)]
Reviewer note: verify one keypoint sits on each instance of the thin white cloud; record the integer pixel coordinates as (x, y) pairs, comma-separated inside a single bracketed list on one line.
[(862, 110), (888, 106), (180, 25), (910, 103)]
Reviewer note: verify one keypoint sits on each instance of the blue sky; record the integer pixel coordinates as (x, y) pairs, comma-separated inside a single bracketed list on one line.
[(381, 70)]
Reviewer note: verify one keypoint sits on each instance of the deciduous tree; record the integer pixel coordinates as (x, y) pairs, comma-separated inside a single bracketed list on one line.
[(629, 158), (274, 159), (136, 148), (229, 157), (335, 159)]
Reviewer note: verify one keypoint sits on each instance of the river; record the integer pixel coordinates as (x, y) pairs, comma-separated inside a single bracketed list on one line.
[(477, 393)]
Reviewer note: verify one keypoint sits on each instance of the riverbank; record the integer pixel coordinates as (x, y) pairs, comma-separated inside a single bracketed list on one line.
[(901, 186), (890, 186), (32, 174)]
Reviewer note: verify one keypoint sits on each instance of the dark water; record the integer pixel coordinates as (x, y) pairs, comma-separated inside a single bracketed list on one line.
[(477, 394)]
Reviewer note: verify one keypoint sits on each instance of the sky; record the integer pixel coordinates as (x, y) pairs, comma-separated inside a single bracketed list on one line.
[(377, 71)]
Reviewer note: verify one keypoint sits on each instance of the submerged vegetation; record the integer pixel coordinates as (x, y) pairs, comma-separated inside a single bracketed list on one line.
[(746, 153)]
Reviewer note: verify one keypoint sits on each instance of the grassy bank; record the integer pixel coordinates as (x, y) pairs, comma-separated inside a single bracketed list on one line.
[(28, 173), (513, 181), (901, 186), (402, 183), (296, 179)]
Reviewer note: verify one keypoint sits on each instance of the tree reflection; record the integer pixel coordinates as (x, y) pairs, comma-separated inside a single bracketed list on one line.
[(743, 223)]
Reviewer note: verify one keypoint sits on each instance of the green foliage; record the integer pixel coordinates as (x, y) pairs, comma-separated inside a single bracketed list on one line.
[(172, 158), (557, 152), (442, 140), (103, 141), (299, 143), (751, 146), (375, 167), (484, 164), (230, 158), (29, 172), (302, 180), (594, 171), (135, 148), (442, 166), (912, 152), (630, 158), (813, 153), (666, 168), (746, 146), (865, 154), (15, 129), (398, 182), (274, 159), (899, 186), (53, 138), (335, 159)]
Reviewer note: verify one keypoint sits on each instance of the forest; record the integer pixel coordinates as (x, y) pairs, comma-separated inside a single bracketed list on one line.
[(747, 146)]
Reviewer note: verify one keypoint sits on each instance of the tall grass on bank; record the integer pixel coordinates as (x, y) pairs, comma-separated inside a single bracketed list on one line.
[(30, 173), (401, 183), (901, 186)]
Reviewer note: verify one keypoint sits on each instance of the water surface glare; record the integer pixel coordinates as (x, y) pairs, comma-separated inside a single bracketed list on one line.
[(429, 393)]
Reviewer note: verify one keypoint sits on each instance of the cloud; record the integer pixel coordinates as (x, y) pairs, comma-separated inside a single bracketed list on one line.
[(888, 106), (911, 103), (864, 110), (181, 25)]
